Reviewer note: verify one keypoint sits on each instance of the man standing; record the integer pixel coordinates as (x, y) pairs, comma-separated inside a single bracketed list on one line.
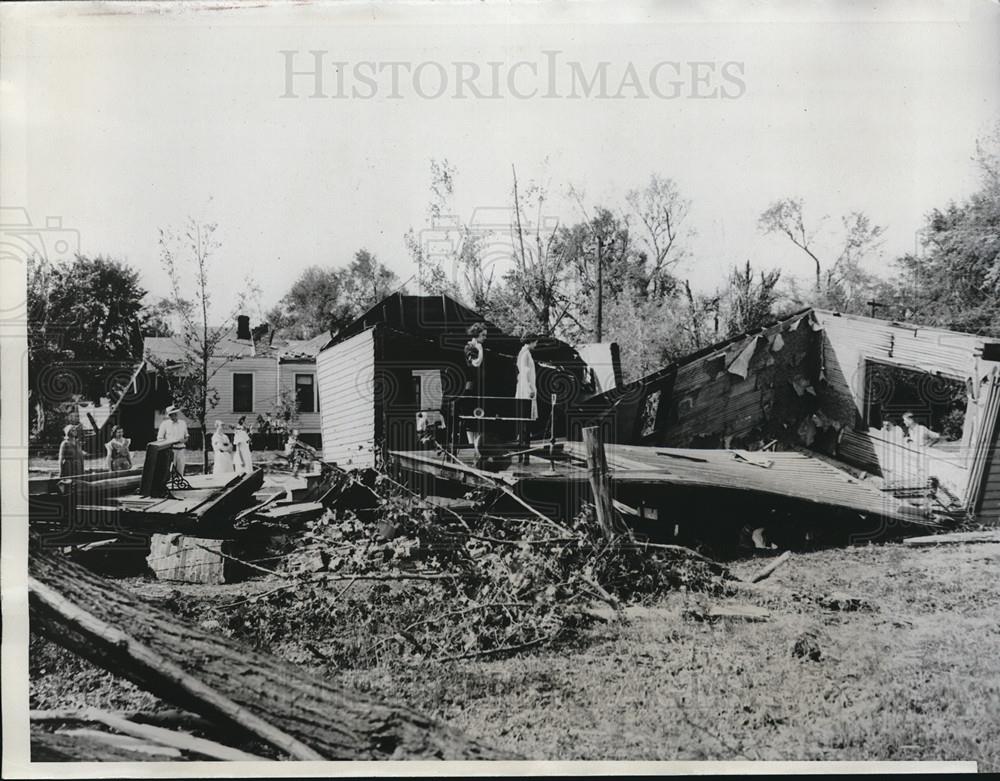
[(175, 431), (917, 433)]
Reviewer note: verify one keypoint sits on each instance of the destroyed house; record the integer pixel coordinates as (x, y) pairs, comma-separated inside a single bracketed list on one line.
[(249, 374), (837, 385), (405, 356)]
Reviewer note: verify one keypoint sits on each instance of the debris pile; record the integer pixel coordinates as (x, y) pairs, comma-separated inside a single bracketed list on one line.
[(429, 582)]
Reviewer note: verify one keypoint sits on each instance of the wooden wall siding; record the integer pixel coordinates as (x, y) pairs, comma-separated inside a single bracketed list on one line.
[(849, 343), (346, 376), (309, 422), (989, 506), (265, 386), (710, 406)]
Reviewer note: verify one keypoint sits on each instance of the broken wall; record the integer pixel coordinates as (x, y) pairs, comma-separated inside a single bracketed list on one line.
[(748, 392), (744, 392), (849, 344)]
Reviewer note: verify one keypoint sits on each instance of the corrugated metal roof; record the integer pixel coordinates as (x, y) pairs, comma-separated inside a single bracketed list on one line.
[(790, 474)]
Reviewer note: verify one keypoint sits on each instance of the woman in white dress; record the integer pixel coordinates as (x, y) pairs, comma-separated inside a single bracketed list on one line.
[(526, 389), (223, 451), (241, 439)]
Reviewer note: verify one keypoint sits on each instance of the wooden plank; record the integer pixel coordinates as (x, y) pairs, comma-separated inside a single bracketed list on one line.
[(156, 735), (600, 483), (60, 747), (123, 742), (182, 558), (234, 497), (955, 538)]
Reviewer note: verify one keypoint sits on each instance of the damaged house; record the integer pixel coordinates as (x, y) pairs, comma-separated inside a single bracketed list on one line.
[(833, 385), (404, 358), (253, 370)]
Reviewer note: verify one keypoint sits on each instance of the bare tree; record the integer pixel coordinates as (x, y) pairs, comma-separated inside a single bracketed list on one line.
[(190, 375), (845, 284), (785, 217), (662, 211), (539, 274)]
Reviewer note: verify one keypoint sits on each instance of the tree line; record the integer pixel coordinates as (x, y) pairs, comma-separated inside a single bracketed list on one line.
[(612, 273)]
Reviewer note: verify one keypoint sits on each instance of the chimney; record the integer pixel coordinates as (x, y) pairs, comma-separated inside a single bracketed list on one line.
[(243, 327)]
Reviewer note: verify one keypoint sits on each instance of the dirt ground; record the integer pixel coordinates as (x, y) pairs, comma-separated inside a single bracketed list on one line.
[(913, 673)]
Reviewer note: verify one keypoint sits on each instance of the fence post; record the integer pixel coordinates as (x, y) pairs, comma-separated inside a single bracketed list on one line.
[(600, 481)]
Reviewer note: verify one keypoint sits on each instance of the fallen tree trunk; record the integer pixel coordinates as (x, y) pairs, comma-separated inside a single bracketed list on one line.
[(224, 681)]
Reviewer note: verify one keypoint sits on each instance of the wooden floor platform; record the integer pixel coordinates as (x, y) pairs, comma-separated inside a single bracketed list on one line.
[(655, 476)]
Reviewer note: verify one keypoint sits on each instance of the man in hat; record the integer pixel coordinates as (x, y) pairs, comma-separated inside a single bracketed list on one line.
[(175, 431)]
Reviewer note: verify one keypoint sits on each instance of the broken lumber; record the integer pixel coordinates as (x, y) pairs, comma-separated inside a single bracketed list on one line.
[(600, 483), (765, 572), (296, 512), (124, 742), (66, 747), (187, 559), (158, 735), (955, 538), (226, 681)]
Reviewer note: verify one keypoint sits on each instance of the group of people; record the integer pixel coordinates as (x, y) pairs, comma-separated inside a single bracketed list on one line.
[(910, 432), (72, 457), (526, 388), (230, 455)]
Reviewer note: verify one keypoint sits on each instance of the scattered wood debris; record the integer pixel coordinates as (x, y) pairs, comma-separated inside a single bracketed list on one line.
[(955, 538), (262, 697)]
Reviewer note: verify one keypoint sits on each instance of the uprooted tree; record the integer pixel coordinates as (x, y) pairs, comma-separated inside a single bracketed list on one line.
[(248, 694)]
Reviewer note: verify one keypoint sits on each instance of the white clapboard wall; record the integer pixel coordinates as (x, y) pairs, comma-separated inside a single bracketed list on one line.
[(345, 374)]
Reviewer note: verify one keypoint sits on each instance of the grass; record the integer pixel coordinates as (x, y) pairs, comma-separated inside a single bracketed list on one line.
[(914, 677)]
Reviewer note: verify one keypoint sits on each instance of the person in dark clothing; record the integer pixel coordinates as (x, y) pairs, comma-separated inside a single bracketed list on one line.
[(475, 363), (71, 458)]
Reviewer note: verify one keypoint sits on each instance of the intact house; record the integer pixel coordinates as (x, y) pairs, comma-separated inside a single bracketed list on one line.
[(405, 356), (250, 372), (835, 385)]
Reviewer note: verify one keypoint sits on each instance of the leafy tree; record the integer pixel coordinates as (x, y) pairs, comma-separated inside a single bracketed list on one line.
[(367, 281), (158, 318), (316, 302), (955, 281), (84, 329), (599, 247), (749, 304)]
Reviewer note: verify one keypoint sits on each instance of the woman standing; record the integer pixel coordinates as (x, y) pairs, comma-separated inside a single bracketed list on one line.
[(241, 439), (475, 368), (223, 451), (526, 389), (70, 453), (119, 456)]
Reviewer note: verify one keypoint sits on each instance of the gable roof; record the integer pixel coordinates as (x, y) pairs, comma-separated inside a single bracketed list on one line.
[(443, 320), (300, 349), (169, 349)]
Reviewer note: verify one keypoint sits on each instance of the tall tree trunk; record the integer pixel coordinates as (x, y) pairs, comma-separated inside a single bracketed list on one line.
[(154, 649)]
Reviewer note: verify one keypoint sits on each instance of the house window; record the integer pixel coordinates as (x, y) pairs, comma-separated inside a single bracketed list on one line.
[(935, 401), (242, 392), (305, 392)]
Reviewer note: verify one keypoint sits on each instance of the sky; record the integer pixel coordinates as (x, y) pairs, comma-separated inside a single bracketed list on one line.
[(122, 120)]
